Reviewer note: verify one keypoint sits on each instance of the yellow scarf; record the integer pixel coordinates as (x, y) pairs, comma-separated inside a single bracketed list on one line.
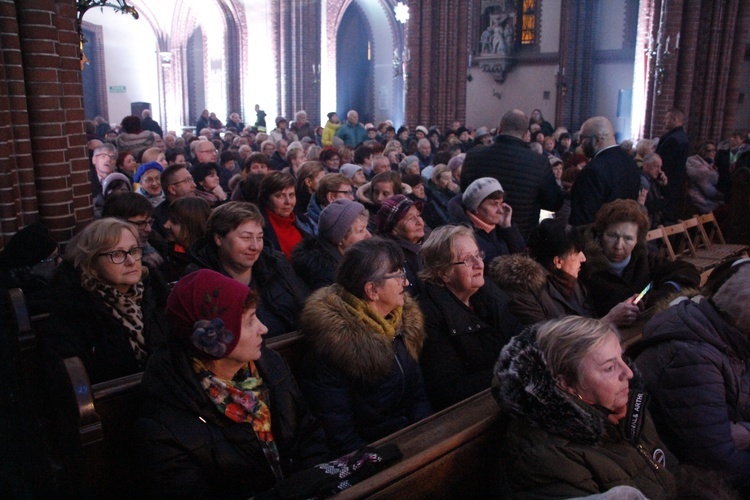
[(386, 326)]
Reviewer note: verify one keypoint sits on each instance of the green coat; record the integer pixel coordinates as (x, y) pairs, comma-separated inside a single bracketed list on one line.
[(559, 447)]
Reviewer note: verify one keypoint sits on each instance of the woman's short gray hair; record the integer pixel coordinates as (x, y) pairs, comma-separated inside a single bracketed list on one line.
[(566, 341), (437, 251)]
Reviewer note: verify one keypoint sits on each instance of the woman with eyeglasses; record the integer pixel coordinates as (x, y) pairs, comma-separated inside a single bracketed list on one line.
[(467, 318), (104, 313), (360, 372), (703, 177)]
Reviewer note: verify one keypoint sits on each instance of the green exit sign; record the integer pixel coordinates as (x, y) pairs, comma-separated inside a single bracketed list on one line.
[(117, 89)]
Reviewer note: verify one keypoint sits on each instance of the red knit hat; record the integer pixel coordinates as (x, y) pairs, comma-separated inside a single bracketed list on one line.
[(205, 311)]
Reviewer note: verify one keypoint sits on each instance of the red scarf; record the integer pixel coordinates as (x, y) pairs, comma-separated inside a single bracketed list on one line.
[(286, 232)]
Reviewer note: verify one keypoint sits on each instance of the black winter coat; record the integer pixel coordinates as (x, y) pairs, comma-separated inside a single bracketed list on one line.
[(282, 292), (607, 289), (462, 344), (315, 262), (612, 174), (526, 178), (674, 148), (80, 325), (190, 450), (361, 385), (697, 368)]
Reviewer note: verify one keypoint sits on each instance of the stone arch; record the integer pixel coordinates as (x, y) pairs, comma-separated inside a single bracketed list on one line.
[(388, 38)]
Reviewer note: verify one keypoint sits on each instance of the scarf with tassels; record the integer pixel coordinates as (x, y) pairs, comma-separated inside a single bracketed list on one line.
[(387, 326), (241, 401)]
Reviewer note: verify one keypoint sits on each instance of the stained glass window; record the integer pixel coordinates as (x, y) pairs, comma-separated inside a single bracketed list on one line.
[(528, 22)]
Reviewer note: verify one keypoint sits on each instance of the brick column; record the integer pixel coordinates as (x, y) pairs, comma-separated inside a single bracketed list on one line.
[(60, 188)]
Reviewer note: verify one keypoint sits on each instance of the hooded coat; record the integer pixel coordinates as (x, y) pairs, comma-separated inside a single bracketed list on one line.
[(361, 385), (560, 447), (702, 182), (282, 292), (315, 261), (534, 295), (190, 450), (697, 366)]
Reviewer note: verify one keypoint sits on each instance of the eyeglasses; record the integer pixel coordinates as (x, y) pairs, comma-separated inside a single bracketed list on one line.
[(471, 259), (399, 276), (151, 180), (210, 151), (141, 224), (186, 179), (111, 157), (57, 258), (120, 256)]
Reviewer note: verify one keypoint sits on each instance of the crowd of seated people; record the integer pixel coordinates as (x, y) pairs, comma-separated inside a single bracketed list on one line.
[(400, 259)]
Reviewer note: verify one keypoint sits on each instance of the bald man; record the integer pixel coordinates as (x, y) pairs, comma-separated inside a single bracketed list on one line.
[(610, 175), (526, 176)]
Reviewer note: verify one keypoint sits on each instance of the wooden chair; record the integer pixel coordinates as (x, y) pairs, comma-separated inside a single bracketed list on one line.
[(679, 232), (657, 238), (714, 238)]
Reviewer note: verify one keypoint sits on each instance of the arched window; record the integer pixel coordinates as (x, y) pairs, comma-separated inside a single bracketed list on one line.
[(528, 22)]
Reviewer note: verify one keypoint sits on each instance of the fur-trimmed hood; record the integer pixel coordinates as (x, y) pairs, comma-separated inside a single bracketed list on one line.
[(359, 353), (517, 272), (524, 386)]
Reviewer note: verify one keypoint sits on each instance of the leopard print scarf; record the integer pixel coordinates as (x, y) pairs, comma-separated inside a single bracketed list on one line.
[(126, 308)]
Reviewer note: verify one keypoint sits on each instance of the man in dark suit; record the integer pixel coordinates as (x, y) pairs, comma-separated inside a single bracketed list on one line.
[(674, 148), (525, 175), (610, 175)]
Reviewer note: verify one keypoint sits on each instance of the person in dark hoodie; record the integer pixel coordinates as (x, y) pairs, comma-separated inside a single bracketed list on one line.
[(222, 416), (695, 359)]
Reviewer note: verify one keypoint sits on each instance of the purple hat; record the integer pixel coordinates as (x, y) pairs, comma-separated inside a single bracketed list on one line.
[(336, 219), (392, 211), (152, 165), (205, 310)]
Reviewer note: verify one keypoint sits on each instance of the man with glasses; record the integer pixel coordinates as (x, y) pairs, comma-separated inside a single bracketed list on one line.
[(103, 162), (135, 209), (331, 187), (610, 175), (526, 175), (177, 182)]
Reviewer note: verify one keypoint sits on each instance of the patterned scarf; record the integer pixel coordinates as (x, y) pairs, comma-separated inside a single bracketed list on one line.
[(126, 308), (386, 326), (241, 401)]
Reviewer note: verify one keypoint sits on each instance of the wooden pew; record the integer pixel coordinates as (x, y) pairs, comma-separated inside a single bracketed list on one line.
[(451, 454)]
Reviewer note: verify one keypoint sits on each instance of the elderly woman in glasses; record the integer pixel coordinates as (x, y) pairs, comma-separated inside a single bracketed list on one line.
[(361, 370), (467, 319), (104, 313)]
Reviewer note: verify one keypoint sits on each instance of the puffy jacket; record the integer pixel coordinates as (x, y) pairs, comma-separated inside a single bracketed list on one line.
[(526, 178), (190, 450), (329, 132), (560, 447), (361, 385), (282, 292), (534, 296), (462, 343), (697, 367), (315, 262)]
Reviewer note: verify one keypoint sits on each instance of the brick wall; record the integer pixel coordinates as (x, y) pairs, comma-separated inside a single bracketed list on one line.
[(43, 164)]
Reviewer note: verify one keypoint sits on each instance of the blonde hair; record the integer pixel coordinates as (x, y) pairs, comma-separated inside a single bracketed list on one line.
[(99, 236), (566, 341)]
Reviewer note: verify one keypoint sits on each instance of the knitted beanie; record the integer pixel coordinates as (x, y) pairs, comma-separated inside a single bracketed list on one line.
[(392, 211), (204, 310), (114, 176), (349, 170), (336, 219), (478, 191)]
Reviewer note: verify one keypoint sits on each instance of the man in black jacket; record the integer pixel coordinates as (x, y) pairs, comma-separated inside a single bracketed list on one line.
[(525, 175), (674, 148), (610, 175)]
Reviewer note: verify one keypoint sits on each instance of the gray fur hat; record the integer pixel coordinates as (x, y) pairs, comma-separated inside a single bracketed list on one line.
[(478, 191)]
